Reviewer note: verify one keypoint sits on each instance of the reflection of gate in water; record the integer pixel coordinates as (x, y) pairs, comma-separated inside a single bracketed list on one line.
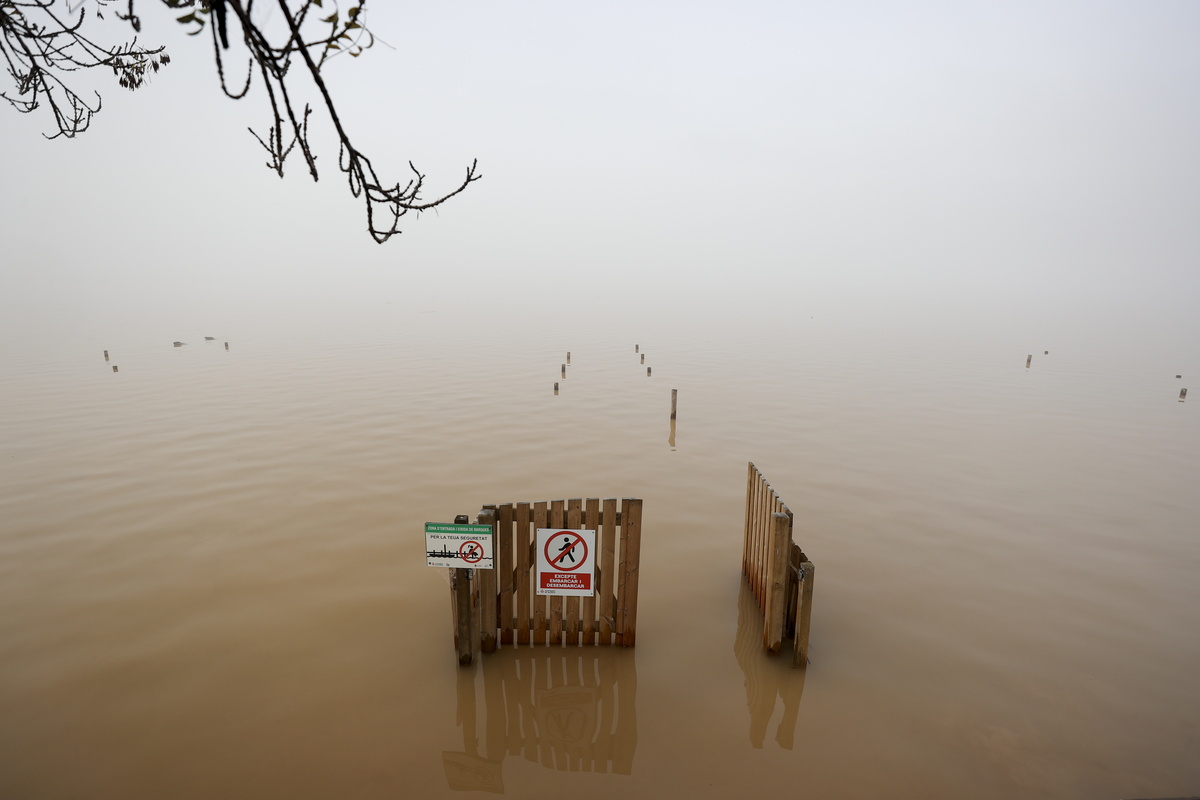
[(571, 710)]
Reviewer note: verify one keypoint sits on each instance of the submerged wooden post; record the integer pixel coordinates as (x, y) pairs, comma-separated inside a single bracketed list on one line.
[(803, 615), (674, 401), (1028, 360), (647, 372), (564, 370), (460, 591), (106, 355), (486, 581), (631, 547), (1182, 392), (777, 581), (568, 356)]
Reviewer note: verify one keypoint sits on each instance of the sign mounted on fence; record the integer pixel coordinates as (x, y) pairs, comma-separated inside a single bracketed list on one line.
[(565, 562), (463, 546)]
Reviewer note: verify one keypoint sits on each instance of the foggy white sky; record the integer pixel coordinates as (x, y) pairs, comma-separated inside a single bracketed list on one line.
[(678, 158)]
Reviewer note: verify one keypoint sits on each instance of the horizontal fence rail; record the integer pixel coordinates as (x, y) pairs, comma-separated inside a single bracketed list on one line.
[(502, 608), (779, 573)]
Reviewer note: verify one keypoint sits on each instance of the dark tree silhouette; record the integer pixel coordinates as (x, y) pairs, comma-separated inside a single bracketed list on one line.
[(43, 44)]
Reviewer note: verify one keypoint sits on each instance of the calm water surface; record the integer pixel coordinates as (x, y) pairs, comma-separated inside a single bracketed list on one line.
[(212, 581)]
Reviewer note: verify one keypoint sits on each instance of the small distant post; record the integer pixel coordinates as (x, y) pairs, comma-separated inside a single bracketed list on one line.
[(1028, 360), (643, 358), (115, 369), (568, 356), (635, 348), (1182, 392), (106, 355), (647, 372), (564, 370), (556, 387), (674, 401), (227, 345)]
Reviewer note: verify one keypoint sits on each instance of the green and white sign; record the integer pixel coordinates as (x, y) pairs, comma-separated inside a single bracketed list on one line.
[(465, 546)]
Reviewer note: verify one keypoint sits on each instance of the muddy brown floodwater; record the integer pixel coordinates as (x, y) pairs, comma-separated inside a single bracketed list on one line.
[(212, 579)]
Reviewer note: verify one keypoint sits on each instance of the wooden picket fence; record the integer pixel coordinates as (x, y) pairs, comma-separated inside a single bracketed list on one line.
[(778, 572), (500, 607)]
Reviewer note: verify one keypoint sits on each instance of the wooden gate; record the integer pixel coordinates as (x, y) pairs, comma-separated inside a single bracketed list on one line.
[(500, 607), (779, 573)]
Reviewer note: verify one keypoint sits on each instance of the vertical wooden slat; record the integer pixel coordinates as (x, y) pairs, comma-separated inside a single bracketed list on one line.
[(521, 537), (504, 570), (608, 548), (781, 541), (592, 522), (631, 547), (764, 539), (557, 520), (803, 615), (486, 582), (746, 529), (571, 623), (540, 604)]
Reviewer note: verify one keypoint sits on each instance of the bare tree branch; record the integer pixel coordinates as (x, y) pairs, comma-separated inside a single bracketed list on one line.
[(41, 45)]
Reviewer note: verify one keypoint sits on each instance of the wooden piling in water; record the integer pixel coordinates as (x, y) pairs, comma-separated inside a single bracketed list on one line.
[(1028, 360), (568, 356), (115, 369), (643, 358), (106, 355), (647, 372), (556, 387), (564, 371), (485, 580), (674, 401), (1182, 392)]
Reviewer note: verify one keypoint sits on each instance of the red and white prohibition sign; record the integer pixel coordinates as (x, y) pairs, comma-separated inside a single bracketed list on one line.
[(565, 562), (470, 551)]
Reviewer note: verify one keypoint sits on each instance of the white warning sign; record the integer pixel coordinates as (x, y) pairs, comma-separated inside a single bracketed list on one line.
[(565, 562), (468, 546)]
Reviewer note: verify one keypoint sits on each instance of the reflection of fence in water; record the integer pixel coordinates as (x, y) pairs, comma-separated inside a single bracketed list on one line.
[(568, 710), (767, 679)]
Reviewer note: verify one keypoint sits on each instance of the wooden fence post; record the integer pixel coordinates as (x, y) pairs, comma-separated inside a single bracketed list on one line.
[(631, 546), (460, 589), (803, 614), (777, 581), (486, 581)]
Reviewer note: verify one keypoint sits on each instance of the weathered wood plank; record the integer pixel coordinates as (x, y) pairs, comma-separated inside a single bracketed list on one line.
[(558, 518), (571, 626), (803, 615), (540, 604), (631, 547), (504, 570), (781, 540), (608, 548), (592, 522), (521, 536), (486, 582)]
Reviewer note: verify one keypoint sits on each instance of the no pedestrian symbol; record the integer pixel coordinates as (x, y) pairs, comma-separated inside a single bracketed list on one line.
[(566, 561)]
